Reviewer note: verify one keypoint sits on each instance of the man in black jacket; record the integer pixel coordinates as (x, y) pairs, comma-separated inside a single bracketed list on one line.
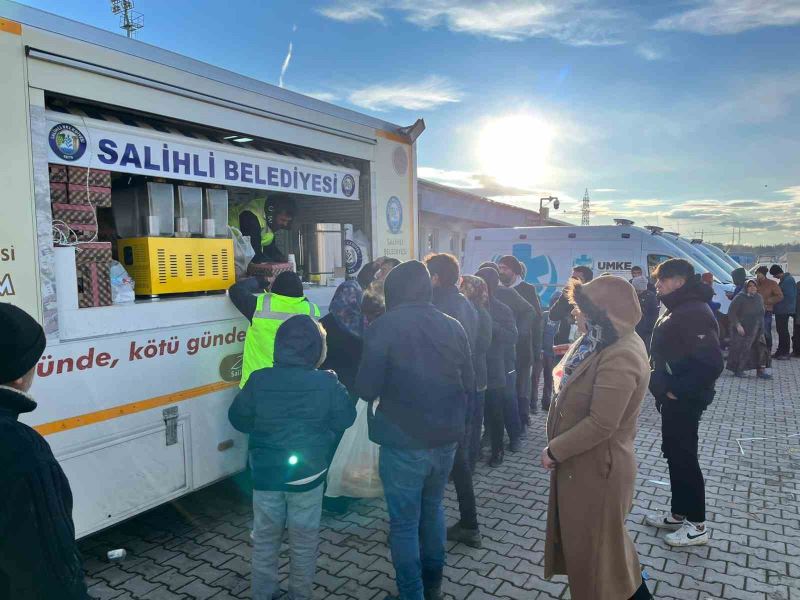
[(447, 298), (529, 349), (39, 559), (417, 361), (686, 361)]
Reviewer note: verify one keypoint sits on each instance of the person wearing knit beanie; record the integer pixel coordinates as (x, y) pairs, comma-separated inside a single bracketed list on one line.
[(21, 345), (38, 554)]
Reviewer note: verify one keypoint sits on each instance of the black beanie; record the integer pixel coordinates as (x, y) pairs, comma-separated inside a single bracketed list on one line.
[(22, 343), (288, 284), (512, 263)]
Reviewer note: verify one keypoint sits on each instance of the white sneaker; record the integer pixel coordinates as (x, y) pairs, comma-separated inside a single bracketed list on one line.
[(664, 521), (688, 535)]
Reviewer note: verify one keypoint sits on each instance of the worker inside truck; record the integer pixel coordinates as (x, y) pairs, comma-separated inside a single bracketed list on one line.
[(260, 219)]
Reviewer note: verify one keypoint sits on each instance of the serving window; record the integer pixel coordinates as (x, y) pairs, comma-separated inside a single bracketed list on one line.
[(159, 198)]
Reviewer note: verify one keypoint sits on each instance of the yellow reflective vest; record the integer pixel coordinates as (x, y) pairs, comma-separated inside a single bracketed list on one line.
[(271, 311), (255, 206)]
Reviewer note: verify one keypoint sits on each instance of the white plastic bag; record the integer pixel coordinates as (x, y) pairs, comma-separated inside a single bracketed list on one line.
[(243, 251), (122, 285), (354, 469)]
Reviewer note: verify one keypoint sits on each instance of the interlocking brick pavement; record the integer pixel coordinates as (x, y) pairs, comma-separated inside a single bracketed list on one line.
[(199, 546)]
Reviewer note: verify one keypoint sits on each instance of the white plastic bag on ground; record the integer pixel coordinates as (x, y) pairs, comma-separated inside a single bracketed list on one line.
[(122, 285), (354, 470), (243, 251)]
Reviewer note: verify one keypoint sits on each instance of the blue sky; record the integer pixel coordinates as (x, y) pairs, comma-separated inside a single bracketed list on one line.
[(685, 113)]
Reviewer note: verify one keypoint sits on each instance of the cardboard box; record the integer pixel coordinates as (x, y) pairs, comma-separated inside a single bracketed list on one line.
[(268, 271), (94, 284), (58, 193), (74, 213), (94, 195), (58, 173), (99, 252), (90, 177), (86, 232)]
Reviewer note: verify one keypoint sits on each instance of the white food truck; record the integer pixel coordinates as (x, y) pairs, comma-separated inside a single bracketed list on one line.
[(550, 253), (133, 397)]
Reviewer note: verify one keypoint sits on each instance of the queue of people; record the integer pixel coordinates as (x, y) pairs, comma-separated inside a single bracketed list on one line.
[(436, 354)]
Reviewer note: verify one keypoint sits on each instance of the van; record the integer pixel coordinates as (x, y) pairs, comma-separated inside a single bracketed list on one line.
[(550, 253)]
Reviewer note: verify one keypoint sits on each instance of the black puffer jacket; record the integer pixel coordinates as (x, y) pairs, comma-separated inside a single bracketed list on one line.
[(454, 304), (501, 356), (481, 349), (417, 360), (686, 356), (292, 410), (38, 556)]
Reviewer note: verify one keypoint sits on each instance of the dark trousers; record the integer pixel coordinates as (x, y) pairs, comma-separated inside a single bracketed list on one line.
[(495, 399), (782, 325), (542, 371), (524, 389), (796, 337), (768, 329), (462, 480), (475, 429), (680, 421), (642, 593), (511, 415)]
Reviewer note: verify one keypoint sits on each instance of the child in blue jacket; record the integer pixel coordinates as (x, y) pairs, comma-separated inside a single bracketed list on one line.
[(295, 416)]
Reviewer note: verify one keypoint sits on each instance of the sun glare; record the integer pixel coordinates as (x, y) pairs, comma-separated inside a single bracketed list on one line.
[(514, 149)]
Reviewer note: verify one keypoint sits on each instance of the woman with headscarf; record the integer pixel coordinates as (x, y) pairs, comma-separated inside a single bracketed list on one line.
[(344, 324), (591, 428), (504, 337), (748, 349), (474, 288)]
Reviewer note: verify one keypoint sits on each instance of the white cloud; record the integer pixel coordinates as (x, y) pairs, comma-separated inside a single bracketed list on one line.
[(431, 92), (351, 11), (604, 190), (457, 179), (650, 52), (762, 99), (324, 96), (644, 202), (725, 17), (285, 66), (575, 22), (792, 192)]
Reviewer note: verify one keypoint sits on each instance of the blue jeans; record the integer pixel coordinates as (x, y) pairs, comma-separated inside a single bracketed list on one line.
[(300, 513), (414, 482)]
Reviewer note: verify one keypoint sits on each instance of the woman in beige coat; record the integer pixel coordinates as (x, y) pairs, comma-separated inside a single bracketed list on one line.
[(600, 385)]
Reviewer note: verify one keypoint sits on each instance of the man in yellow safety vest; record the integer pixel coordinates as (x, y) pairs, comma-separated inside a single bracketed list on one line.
[(260, 218), (266, 312)]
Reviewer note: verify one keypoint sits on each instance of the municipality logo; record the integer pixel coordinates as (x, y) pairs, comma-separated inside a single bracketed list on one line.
[(348, 185), (394, 215), (353, 257), (67, 142)]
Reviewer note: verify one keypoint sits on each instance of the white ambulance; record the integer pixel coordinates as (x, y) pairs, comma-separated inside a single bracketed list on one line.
[(550, 253), (133, 398)]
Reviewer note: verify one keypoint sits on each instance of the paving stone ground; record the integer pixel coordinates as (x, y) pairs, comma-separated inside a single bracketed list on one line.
[(199, 547)]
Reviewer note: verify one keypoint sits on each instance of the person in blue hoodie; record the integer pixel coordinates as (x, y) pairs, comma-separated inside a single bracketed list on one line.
[(295, 416)]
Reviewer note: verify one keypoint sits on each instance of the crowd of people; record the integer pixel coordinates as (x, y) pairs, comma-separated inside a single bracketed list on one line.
[(449, 363)]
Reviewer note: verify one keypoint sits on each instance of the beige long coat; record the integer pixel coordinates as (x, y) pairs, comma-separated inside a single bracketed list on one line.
[(591, 431)]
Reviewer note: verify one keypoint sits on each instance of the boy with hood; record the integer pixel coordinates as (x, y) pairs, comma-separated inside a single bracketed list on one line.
[(417, 360), (39, 559), (295, 416)]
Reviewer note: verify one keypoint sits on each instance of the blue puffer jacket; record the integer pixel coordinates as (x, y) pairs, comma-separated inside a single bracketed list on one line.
[(788, 305), (294, 414)]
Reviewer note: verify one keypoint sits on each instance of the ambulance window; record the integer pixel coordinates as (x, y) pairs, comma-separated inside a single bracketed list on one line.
[(653, 260)]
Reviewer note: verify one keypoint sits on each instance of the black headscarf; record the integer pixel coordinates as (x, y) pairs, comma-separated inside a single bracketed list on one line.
[(407, 283)]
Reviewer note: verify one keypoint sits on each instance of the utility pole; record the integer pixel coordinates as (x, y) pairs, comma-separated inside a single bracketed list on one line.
[(585, 211), (129, 20)]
